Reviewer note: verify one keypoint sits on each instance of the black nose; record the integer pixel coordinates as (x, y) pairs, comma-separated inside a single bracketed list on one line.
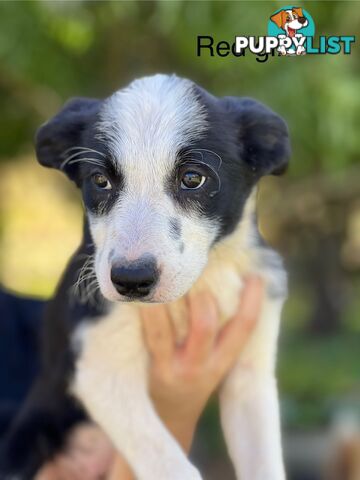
[(302, 20), (135, 279)]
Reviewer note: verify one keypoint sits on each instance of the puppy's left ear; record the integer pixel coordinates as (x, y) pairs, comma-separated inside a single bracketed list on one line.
[(262, 135), (64, 130)]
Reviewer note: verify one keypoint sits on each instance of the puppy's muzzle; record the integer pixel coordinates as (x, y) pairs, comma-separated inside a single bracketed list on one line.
[(135, 279)]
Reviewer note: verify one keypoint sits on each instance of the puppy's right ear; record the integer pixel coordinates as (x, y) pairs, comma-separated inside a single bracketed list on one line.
[(64, 131)]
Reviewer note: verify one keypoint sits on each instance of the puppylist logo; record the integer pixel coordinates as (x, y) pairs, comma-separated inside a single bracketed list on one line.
[(291, 32), (292, 26)]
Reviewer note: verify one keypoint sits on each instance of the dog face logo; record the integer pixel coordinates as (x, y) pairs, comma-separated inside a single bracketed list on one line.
[(290, 20), (295, 24)]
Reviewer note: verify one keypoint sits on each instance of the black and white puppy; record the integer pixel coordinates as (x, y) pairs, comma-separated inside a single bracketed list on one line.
[(168, 175)]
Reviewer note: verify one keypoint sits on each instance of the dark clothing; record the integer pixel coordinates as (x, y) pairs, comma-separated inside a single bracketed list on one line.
[(20, 319)]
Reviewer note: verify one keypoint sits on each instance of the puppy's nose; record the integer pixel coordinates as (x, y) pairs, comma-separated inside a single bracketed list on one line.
[(302, 20), (135, 279)]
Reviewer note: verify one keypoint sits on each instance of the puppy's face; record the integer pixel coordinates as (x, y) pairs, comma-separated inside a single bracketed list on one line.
[(165, 170), (290, 20)]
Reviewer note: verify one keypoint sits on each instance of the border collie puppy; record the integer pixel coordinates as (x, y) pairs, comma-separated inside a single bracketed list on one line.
[(168, 175)]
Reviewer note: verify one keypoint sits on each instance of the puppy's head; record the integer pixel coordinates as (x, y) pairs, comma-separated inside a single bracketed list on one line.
[(165, 170), (290, 20)]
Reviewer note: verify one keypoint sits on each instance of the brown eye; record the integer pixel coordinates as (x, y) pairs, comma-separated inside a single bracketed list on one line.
[(101, 181), (192, 180)]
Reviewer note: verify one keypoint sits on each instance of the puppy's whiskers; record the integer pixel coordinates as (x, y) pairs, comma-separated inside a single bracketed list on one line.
[(74, 155), (201, 151), (92, 161), (84, 149), (86, 285)]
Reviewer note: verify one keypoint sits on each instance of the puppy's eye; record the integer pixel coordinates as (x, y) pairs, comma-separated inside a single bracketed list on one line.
[(192, 180), (101, 181)]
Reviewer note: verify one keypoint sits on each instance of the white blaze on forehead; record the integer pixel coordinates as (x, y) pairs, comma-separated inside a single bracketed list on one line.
[(146, 123)]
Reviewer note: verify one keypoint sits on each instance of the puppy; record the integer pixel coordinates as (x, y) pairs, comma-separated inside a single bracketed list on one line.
[(168, 175), (291, 21)]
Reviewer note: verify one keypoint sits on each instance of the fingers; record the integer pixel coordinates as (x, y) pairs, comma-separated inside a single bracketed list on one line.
[(203, 345), (203, 323), (236, 332), (158, 333)]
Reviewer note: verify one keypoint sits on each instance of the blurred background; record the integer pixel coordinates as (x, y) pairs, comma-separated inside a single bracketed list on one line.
[(50, 51)]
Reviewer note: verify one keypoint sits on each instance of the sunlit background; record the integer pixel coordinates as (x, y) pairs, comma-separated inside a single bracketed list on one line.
[(50, 51)]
